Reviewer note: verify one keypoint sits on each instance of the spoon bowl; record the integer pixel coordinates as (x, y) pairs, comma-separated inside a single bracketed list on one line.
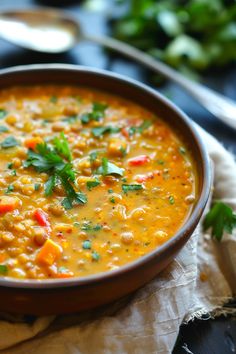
[(44, 30)]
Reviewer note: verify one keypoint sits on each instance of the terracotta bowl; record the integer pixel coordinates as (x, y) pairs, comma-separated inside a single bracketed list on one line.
[(42, 297)]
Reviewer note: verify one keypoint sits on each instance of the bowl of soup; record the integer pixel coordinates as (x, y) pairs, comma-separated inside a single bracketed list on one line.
[(102, 181)]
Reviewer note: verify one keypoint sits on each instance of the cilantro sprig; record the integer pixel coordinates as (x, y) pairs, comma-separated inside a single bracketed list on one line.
[(55, 160), (220, 218)]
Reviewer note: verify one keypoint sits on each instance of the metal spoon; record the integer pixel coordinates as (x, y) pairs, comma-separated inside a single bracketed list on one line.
[(51, 31)]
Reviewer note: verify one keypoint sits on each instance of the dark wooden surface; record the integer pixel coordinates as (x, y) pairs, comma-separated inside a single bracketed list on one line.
[(200, 337)]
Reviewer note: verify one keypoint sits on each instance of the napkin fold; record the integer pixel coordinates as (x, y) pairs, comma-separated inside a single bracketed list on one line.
[(200, 280)]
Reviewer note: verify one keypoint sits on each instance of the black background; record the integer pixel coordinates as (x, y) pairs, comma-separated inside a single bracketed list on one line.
[(201, 337)]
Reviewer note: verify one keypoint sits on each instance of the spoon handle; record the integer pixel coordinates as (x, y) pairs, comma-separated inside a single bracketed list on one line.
[(220, 106)]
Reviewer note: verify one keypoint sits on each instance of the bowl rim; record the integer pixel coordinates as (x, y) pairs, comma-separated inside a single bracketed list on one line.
[(181, 234)]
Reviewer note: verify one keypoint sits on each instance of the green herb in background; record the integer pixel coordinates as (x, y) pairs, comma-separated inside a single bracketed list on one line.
[(220, 218), (190, 34)]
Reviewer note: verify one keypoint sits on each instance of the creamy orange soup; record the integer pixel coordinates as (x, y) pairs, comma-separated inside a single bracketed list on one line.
[(89, 182)]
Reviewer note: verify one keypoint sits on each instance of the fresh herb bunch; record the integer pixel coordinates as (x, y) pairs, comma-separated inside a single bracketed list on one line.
[(55, 160), (187, 34), (220, 218)]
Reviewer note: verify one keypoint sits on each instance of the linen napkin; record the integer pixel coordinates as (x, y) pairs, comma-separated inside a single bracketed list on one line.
[(199, 281)]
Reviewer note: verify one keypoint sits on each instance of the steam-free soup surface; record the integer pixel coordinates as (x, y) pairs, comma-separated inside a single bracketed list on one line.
[(88, 182)]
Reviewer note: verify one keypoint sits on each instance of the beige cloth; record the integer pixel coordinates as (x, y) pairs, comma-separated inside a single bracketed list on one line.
[(149, 321)]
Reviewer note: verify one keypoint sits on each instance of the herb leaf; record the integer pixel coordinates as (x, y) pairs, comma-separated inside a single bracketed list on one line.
[(47, 159), (50, 184), (146, 124), (97, 113), (220, 218), (108, 168), (62, 146), (3, 129), (131, 187), (91, 184), (9, 142), (3, 113), (98, 131), (3, 269)]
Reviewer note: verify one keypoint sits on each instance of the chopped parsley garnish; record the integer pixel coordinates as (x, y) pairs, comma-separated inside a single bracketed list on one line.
[(9, 142), (88, 226), (110, 190), (220, 218), (37, 186), (109, 168), (182, 150), (10, 189), (92, 184), (55, 161), (171, 199), (87, 245), (13, 172), (97, 113), (112, 200), (10, 165), (62, 146), (146, 124), (3, 269), (95, 256), (3, 129), (53, 99), (131, 187), (92, 156), (123, 151), (99, 131), (160, 162), (71, 119), (3, 113)]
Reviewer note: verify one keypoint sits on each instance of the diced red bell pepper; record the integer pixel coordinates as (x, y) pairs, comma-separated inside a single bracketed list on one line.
[(42, 218), (8, 203), (139, 160)]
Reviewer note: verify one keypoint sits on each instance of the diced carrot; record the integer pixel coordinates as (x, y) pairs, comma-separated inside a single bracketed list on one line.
[(139, 160), (2, 257), (42, 218), (49, 253), (31, 143), (8, 203)]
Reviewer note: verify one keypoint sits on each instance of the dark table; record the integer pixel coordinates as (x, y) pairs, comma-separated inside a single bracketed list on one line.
[(200, 337)]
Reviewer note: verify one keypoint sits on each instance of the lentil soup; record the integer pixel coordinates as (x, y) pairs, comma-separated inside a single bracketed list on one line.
[(88, 182)]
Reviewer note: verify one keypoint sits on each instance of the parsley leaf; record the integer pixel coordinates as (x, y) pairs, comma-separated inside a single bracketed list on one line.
[(146, 124), (98, 131), (62, 146), (91, 184), (3, 269), (88, 226), (108, 168), (53, 99), (9, 142), (3, 113), (92, 156), (131, 187), (220, 218), (54, 161), (3, 129), (97, 113), (86, 245)]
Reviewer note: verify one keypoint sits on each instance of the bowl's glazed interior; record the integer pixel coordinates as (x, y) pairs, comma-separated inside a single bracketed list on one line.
[(48, 296)]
